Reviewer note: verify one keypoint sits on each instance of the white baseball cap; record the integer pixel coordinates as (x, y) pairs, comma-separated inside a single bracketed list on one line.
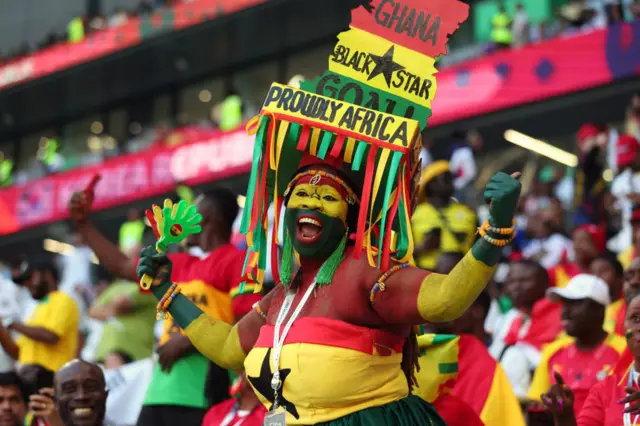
[(582, 286)]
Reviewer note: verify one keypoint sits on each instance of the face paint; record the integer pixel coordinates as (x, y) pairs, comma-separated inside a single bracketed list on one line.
[(314, 234), (323, 198)]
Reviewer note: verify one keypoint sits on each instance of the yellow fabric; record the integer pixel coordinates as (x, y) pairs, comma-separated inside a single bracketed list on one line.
[(446, 297), (501, 32), (60, 315), (501, 406), (459, 218), (611, 315), (324, 198), (432, 379), (626, 256), (213, 302), (328, 382), (541, 378), (218, 341), (431, 171)]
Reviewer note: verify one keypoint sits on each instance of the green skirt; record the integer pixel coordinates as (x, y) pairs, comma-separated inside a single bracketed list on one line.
[(409, 411)]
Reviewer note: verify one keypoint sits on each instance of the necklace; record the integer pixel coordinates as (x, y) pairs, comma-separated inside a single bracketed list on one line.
[(278, 339)]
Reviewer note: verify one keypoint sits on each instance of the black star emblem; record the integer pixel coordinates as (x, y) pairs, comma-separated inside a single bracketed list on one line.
[(263, 385), (385, 66)]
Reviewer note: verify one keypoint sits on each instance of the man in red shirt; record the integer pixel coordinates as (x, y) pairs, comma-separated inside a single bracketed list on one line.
[(180, 384), (590, 354)]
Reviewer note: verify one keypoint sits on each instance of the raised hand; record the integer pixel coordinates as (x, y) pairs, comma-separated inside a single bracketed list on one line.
[(81, 201), (42, 405), (156, 265), (632, 399), (503, 193), (559, 398)]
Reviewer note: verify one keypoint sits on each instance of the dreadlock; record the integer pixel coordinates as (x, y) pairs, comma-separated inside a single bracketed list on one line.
[(410, 355)]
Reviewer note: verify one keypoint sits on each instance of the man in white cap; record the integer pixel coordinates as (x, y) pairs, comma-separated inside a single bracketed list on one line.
[(589, 354)]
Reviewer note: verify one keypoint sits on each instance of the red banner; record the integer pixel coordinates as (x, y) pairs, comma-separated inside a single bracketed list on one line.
[(99, 44), (553, 68), (204, 156)]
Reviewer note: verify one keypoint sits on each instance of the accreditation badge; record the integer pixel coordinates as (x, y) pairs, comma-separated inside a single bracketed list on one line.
[(276, 417)]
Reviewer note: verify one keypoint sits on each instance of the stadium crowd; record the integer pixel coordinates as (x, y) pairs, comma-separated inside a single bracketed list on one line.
[(556, 329)]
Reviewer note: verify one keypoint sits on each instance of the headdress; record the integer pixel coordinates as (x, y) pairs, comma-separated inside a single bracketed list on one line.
[(363, 116)]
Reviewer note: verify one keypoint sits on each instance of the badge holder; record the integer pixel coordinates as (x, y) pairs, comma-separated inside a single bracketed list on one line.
[(278, 415)]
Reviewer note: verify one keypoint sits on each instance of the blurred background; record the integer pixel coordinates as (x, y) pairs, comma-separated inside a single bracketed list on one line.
[(154, 95)]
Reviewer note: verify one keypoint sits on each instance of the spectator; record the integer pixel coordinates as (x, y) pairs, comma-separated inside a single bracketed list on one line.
[(481, 383), (462, 165), (547, 246), (501, 29), (440, 224), (176, 394), (590, 185), (590, 354), (520, 27), (229, 114), (588, 242), (49, 337), (626, 185), (246, 409), (631, 284), (631, 252), (129, 319), (12, 400), (532, 322), (607, 400), (607, 267), (81, 394)]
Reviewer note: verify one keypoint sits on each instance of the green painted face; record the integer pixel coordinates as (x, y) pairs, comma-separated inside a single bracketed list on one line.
[(314, 234)]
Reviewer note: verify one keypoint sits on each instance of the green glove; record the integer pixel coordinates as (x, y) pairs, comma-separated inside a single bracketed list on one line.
[(159, 266), (502, 193), (156, 265)]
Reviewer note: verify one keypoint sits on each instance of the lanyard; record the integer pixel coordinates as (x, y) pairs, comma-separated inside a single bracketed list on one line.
[(233, 415), (278, 339), (633, 378)]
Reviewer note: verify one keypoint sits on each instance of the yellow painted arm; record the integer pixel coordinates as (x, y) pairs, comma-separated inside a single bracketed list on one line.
[(446, 297), (218, 341)]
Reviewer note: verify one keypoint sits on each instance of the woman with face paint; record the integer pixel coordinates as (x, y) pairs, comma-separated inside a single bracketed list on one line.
[(334, 344), (615, 401)]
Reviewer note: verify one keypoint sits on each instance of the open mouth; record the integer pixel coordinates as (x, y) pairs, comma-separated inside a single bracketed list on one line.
[(309, 229), (82, 412)]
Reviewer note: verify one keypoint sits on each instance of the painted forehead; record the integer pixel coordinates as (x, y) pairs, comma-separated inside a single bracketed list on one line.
[(322, 177)]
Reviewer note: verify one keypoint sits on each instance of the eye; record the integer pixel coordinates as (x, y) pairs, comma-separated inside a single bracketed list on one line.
[(329, 198), (302, 193), (635, 318)]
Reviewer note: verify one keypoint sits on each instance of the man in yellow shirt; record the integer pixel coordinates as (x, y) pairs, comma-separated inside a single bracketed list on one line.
[(440, 224), (49, 338)]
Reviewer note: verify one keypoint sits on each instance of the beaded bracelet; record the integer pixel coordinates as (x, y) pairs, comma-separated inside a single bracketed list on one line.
[(494, 241), (380, 285), (499, 231), (166, 300), (258, 309)]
